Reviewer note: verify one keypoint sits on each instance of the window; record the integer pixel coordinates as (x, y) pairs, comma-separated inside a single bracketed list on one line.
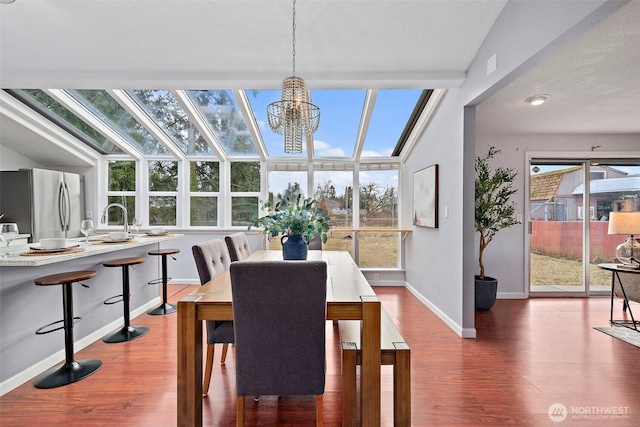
[(220, 111), (283, 183), (107, 109), (165, 110), (592, 212), (378, 209), (66, 119), (334, 194), (163, 190), (204, 185), (122, 189), (245, 192)]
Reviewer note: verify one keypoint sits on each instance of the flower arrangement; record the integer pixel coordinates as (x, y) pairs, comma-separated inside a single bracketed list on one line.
[(292, 216)]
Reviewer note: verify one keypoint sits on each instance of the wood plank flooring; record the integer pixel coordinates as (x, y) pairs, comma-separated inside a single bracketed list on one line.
[(529, 355)]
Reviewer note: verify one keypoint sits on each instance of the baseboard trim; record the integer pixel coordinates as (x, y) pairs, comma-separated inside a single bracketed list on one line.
[(59, 356), (511, 295), (399, 283), (462, 332)]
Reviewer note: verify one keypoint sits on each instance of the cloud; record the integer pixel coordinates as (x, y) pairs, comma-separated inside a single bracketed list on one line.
[(366, 153), (323, 149)]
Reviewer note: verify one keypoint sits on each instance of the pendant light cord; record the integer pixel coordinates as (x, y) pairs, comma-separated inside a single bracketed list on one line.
[(293, 51)]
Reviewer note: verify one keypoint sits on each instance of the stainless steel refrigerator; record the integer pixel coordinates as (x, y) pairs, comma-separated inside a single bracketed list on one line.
[(44, 203)]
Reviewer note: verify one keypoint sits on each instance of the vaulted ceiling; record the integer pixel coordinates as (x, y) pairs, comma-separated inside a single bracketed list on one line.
[(352, 44)]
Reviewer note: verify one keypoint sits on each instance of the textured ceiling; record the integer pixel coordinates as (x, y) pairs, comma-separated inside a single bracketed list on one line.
[(594, 85)]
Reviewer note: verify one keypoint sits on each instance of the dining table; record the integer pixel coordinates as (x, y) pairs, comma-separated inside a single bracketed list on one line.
[(349, 297)]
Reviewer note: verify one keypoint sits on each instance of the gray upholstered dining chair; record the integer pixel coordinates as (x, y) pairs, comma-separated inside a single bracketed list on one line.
[(316, 243), (279, 317), (212, 259), (238, 246)]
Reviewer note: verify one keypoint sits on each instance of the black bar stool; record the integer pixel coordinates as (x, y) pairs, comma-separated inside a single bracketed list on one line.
[(128, 332), (165, 307), (72, 370)]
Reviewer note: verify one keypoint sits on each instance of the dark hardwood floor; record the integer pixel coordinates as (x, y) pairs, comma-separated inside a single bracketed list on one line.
[(529, 355)]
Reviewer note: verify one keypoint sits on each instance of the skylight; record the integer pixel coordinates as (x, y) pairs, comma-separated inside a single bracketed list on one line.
[(165, 110), (195, 124), (106, 108)]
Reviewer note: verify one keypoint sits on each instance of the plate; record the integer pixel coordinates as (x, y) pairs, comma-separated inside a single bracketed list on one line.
[(117, 241), (40, 249)]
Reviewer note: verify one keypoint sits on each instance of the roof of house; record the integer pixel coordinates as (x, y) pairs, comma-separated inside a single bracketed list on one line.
[(613, 185), (544, 186)]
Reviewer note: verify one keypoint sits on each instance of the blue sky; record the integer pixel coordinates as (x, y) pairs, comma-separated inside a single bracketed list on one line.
[(340, 115)]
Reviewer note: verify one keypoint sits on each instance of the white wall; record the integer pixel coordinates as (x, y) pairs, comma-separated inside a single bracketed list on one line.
[(441, 263), (12, 160), (506, 256)]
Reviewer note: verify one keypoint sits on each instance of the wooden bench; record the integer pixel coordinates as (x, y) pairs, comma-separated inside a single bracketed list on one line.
[(394, 351)]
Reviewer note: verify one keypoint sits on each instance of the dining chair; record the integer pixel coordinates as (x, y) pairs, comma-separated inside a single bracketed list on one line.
[(279, 312), (316, 243), (238, 246), (212, 259)]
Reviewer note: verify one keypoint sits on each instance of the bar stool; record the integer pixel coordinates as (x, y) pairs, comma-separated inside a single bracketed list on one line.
[(128, 332), (165, 307), (72, 370)]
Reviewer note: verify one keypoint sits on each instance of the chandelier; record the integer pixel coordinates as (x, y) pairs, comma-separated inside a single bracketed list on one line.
[(293, 116)]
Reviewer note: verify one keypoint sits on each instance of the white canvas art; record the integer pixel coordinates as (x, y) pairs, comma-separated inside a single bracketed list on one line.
[(425, 197)]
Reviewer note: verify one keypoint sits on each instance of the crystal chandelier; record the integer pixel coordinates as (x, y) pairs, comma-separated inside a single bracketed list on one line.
[(293, 116)]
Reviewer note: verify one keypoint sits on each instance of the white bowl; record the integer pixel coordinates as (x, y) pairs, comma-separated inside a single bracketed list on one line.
[(118, 235), (53, 243), (156, 230)]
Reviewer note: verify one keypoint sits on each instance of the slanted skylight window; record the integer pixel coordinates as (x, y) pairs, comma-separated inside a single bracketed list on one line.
[(391, 112), (101, 104), (225, 124), (63, 117), (339, 122), (220, 111), (273, 142), (165, 110)]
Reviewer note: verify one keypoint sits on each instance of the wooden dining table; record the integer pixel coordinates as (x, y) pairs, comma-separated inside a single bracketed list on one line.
[(349, 297)]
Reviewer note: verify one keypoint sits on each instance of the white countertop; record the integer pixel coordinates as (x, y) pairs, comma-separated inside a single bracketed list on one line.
[(33, 261)]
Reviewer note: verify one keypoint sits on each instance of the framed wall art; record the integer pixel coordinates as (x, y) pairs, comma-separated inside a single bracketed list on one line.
[(425, 197)]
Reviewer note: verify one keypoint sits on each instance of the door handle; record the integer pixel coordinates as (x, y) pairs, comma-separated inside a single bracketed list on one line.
[(67, 207), (61, 206)]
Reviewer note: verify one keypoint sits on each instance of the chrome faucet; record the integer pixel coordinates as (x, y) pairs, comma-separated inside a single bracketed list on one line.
[(124, 213)]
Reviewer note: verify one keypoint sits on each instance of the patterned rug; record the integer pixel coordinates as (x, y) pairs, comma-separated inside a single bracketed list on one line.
[(624, 334)]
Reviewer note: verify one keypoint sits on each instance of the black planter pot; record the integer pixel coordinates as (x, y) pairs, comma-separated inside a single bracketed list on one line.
[(294, 248), (486, 291)]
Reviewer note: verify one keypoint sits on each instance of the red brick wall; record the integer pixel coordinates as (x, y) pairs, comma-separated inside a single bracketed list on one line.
[(564, 240)]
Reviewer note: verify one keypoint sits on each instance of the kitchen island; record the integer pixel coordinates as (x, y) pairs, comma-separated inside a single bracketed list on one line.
[(24, 307)]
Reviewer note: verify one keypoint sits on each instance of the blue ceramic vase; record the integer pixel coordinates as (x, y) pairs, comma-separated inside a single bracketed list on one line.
[(294, 248)]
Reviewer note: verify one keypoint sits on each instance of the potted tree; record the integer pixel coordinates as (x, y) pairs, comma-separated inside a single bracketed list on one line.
[(296, 221), (493, 211)]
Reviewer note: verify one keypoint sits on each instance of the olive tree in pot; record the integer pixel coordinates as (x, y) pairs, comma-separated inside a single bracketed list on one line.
[(494, 211)]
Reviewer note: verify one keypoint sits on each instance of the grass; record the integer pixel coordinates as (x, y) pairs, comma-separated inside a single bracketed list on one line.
[(377, 250), (380, 250), (546, 270)]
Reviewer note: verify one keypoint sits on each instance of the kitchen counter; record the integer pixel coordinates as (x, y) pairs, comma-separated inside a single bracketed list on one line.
[(93, 249), (21, 239), (24, 307)]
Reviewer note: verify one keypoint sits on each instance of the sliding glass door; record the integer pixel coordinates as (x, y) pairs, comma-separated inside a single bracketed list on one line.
[(569, 207), (556, 221), (614, 187)]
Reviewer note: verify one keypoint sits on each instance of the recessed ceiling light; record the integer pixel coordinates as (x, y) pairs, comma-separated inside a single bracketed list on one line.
[(537, 99), (7, 1)]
